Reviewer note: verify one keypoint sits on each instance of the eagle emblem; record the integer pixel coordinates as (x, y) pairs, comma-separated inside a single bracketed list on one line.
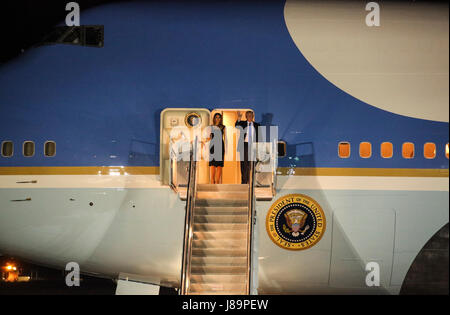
[(296, 220)]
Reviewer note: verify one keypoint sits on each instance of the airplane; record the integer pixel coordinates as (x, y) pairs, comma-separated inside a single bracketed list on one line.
[(343, 201)]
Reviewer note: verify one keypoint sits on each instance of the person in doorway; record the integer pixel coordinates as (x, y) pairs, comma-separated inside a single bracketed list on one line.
[(246, 140), (216, 149)]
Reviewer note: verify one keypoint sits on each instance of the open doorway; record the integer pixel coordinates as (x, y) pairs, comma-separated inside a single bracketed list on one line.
[(231, 172), (177, 127)]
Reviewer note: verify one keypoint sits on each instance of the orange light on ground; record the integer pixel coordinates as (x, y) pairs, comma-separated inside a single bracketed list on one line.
[(12, 274), (10, 267)]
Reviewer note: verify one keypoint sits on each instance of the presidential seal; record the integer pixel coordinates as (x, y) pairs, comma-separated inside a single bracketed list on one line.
[(295, 222)]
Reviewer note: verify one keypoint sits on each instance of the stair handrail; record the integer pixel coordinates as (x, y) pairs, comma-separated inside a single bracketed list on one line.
[(190, 201), (251, 216)]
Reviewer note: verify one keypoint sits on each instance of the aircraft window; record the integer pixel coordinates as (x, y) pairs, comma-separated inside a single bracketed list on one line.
[(408, 150), (281, 149), (446, 150), (365, 150), (7, 148), (192, 120), (50, 148), (387, 150), (28, 148), (94, 35), (429, 150), (344, 150)]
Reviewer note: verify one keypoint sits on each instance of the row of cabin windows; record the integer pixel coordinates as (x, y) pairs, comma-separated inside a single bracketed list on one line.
[(28, 148), (387, 150), (365, 149)]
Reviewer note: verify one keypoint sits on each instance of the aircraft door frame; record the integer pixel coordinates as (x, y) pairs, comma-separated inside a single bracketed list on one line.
[(170, 172), (231, 173)]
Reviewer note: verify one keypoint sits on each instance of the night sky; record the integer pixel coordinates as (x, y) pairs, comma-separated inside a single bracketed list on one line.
[(25, 23)]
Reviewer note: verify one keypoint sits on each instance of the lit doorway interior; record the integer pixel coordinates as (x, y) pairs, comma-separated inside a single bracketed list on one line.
[(231, 172)]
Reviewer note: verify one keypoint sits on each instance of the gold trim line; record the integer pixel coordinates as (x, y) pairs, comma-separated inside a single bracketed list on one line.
[(80, 170), (154, 170)]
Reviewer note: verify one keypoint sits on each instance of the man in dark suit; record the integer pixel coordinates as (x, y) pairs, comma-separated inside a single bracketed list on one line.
[(248, 136)]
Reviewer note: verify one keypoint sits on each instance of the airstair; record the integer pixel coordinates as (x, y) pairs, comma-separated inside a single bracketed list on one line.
[(217, 255)]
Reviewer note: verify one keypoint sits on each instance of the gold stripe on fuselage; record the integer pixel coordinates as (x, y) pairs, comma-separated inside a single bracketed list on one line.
[(154, 170), (80, 170)]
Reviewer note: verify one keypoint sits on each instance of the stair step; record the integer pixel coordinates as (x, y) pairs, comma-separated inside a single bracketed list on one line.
[(219, 252), (222, 187), (200, 202), (219, 279), (218, 270), (210, 244), (202, 227), (221, 210), (263, 193), (219, 261), (226, 219), (238, 288), (222, 195), (219, 235)]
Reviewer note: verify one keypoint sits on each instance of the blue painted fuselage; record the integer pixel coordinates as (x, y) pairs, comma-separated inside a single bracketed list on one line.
[(102, 105)]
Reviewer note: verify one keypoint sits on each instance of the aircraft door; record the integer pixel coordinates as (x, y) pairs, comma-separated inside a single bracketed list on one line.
[(178, 127)]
